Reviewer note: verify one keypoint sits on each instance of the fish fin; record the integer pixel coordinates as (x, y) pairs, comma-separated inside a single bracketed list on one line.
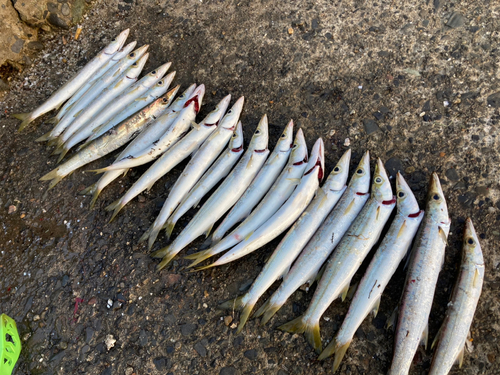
[(262, 309), (205, 267), (64, 151), (328, 351), (95, 195), (376, 306), (54, 120), (207, 232), (313, 337), (165, 261), (52, 142), (150, 185), (195, 125), (145, 235), (438, 335), (339, 355), (245, 313), (169, 228), (25, 118), (58, 149), (268, 312), (391, 322), (232, 304), (125, 172), (476, 279), (443, 235), (43, 138), (349, 208), (352, 290), (425, 336), (160, 253), (199, 257), (84, 145), (116, 207), (51, 175), (88, 190), (294, 181), (78, 113), (97, 171), (152, 234), (295, 326), (345, 290), (401, 230), (460, 357), (55, 181)]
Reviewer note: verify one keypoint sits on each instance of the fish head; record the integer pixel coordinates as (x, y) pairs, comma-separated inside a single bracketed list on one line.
[(230, 120), (236, 143), (360, 180), (338, 176), (212, 119), (182, 98), (158, 72), (436, 203), (381, 186), (138, 53), (471, 248), (317, 160), (298, 156), (260, 138), (162, 84), (196, 97), (163, 102), (136, 68), (117, 43), (124, 51), (406, 202), (285, 142)]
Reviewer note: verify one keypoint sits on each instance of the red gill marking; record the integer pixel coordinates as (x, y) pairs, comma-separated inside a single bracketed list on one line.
[(196, 103), (320, 173), (261, 151), (237, 149), (415, 214), (214, 124), (359, 193), (302, 161), (392, 201)]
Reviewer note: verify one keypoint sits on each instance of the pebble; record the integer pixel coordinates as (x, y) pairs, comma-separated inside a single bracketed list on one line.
[(36, 318), (227, 320), (251, 354), (160, 363), (370, 126), (393, 166), (141, 199), (456, 20), (493, 100), (228, 371), (200, 349), (129, 371), (410, 170), (188, 328), (109, 341), (12, 209), (290, 30), (65, 9), (451, 174)]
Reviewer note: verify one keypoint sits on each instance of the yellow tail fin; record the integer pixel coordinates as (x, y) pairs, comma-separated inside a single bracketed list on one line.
[(339, 355), (43, 138), (245, 313), (295, 326), (166, 260), (25, 118)]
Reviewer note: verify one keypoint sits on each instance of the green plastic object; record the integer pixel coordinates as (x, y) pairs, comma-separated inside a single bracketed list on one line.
[(10, 345)]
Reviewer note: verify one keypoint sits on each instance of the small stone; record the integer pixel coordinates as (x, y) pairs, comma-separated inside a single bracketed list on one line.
[(109, 341), (456, 20), (92, 301), (410, 170), (370, 126), (347, 142), (129, 371), (200, 349), (493, 100), (12, 209), (251, 354), (117, 305), (109, 304), (228, 371), (23, 215), (227, 320), (160, 364), (141, 199), (290, 30), (452, 175), (393, 166), (188, 328), (4, 86), (65, 9), (36, 318), (89, 333)]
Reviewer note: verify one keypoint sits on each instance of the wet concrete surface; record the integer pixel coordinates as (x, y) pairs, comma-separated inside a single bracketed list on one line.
[(416, 84)]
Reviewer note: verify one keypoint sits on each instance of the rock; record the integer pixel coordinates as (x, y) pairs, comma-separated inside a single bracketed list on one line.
[(188, 328), (228, 319), (109, 341), (65, 9), (493, 100), (160, 363), (89, 333), (228, 371), (452, 175), (370, 126), (393, 166), (251, 354), (456, 20), (14, 34), (200, 349)]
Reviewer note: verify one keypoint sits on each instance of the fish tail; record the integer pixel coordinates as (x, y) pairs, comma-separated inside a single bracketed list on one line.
[(245, 313), (97, 171), (295, 326), (88, 190), (205, 267), (43, 138), (116, 206), (270, 311), (52, 141), (166, 260), (152, 234), (81, 147), (261, 310), (328, 351), (313, 337), (95, 195), (169, 228), (64, 151), (25, 118), (52, 175), (199, 257), (54, 120), (145, 236), (160, 253), (232, 304)]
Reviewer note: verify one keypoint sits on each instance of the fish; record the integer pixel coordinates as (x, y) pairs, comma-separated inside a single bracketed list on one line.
[(286, 215), (108, 79), (361, 236), (280, 191), (294, 241), (228, 193), (179, 124), (259, 186), (171, 158), (106, 96), (160, 88), (152, 131), (451, 337), (197, 166), (110, 141), (427, 257), (74, 83), (123, 52), (391, 251), (307, 266), (118, 105)]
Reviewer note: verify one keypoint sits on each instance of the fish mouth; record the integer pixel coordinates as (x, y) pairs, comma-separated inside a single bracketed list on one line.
[(360, 193), (237, 149), (318, 164), (302, 162), (260, 151), (416, 214), (196, 103), (214, 124), (389, 202)]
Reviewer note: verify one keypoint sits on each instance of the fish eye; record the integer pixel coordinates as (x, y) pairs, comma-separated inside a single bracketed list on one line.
[(230, 111), (283, 135), (131, 55), (165, 100), (257, 132), (160, 83), (336, 169), (234, 135), (378, 180), (436, 197), (294, 146), (359, 171), (153, 72), (401, 194), (134, 64), (470, 241), (113, 40)]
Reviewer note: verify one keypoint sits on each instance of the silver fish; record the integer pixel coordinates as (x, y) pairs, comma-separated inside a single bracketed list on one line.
[(281, 190), (228, 193), (205, 156), (74, 83), (259, 186), (345, 261), (324, 241), (290, 246), (152, 131), (110, 141), (427, 257), (286, 215), (389, 254), (453, 333)]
